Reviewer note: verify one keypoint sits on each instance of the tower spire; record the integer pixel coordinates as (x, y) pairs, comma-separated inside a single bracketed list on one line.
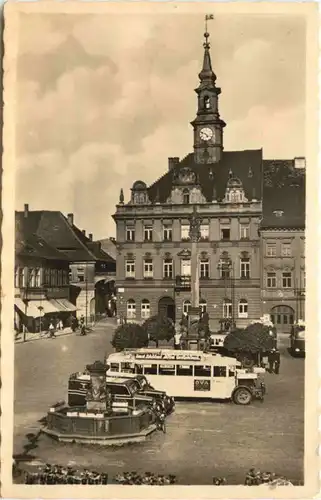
[(208, 126), (207, 74)]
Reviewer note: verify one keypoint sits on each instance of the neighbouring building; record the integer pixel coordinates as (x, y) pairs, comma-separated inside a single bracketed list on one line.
[(41, 280), (90, 268), (283, 242), (154, 250)]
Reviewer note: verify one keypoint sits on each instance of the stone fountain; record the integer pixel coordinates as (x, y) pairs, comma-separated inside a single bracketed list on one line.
[(97, 422)]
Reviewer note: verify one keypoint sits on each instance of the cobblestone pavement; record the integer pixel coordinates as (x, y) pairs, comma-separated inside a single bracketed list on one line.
[(202, 439)]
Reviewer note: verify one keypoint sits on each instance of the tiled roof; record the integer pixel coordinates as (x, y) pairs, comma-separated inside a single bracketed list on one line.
[(283, 207), (94, 246), (30, 245), (109, 246), (282, 173), (246, 165), (55, 229)]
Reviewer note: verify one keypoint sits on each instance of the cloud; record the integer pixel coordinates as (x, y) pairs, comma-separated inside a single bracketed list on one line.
[(104, 100)]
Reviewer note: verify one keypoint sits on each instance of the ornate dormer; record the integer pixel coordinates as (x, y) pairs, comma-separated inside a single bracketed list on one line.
[(185, 188), (234, 192), (208, 126), (139, 194)]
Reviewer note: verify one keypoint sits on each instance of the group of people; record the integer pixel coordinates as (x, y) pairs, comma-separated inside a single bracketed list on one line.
[(147, 479), (58, 474), (273, 361), (256, 478)]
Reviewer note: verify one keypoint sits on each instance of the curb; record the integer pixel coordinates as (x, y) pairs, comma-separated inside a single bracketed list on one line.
[(41, 338)]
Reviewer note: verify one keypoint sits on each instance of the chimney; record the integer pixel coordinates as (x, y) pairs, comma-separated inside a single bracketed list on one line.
[(26, 210), (83, 232), (90, 236), (299, 162), (70, 218), (172, 162)]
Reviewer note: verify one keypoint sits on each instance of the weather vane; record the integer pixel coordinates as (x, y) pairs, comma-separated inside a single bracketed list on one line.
[(208, 17)]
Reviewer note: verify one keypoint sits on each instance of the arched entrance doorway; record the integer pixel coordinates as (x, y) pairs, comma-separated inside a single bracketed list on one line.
[(166, 307), (282, 317)]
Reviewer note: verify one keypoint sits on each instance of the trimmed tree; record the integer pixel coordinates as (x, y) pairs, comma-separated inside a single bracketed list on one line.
[(129, 335), (255, 339), (158, 328)]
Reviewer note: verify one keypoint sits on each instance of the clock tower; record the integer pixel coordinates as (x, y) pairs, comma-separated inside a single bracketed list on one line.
[(208, 126)]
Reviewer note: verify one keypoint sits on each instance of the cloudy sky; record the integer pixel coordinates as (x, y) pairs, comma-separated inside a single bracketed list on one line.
[(103, 100)]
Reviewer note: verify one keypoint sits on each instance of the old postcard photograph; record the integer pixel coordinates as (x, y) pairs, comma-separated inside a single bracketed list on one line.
[(159, 263)]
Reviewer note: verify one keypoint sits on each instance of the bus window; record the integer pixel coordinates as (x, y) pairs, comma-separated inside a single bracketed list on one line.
[(166, 370), (202, 371), (231, 371), (186, 370), (114, 367), (150, 369), (127, 368), (139, 369), (219, 371)]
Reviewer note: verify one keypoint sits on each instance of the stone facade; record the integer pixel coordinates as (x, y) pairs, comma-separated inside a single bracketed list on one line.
[(283, 275)]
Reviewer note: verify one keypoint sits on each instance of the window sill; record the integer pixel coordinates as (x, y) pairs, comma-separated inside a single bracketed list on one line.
[(130, 278), (148, 278), (185, 239), (168, 278), (203, 278)]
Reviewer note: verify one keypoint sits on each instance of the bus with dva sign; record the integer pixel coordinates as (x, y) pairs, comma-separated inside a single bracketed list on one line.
[(190, 374)]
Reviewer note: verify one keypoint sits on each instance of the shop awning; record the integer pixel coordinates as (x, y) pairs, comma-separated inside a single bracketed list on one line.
[(36, 308), (64, 305)]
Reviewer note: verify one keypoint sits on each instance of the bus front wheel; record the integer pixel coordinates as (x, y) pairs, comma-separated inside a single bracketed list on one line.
[(242, 396)]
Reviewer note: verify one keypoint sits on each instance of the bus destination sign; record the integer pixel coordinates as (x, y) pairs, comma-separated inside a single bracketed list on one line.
[(170, 356)]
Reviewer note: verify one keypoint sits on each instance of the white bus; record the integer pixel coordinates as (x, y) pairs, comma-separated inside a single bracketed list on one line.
[(190, 374)]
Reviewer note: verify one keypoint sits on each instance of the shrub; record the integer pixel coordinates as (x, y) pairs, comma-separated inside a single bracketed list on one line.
[(129, 335), (254, 338), (158, 328)]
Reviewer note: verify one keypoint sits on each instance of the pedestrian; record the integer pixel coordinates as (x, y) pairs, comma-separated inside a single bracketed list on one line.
[(51, 330), (277, 363), (272, 360), (61, 325)]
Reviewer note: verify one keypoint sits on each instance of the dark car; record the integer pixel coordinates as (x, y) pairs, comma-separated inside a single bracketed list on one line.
[(297, 340), (125, 392)]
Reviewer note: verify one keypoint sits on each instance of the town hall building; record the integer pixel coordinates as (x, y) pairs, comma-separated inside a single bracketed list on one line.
[(225, 189)]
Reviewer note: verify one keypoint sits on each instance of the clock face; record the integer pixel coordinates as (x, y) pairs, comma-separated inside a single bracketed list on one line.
[(206, 134)]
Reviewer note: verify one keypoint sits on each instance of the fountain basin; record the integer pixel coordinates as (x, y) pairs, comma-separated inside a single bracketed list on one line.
[(80, 425)]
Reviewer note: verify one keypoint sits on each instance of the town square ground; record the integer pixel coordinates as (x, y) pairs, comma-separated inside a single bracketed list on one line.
[(202, 439)]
